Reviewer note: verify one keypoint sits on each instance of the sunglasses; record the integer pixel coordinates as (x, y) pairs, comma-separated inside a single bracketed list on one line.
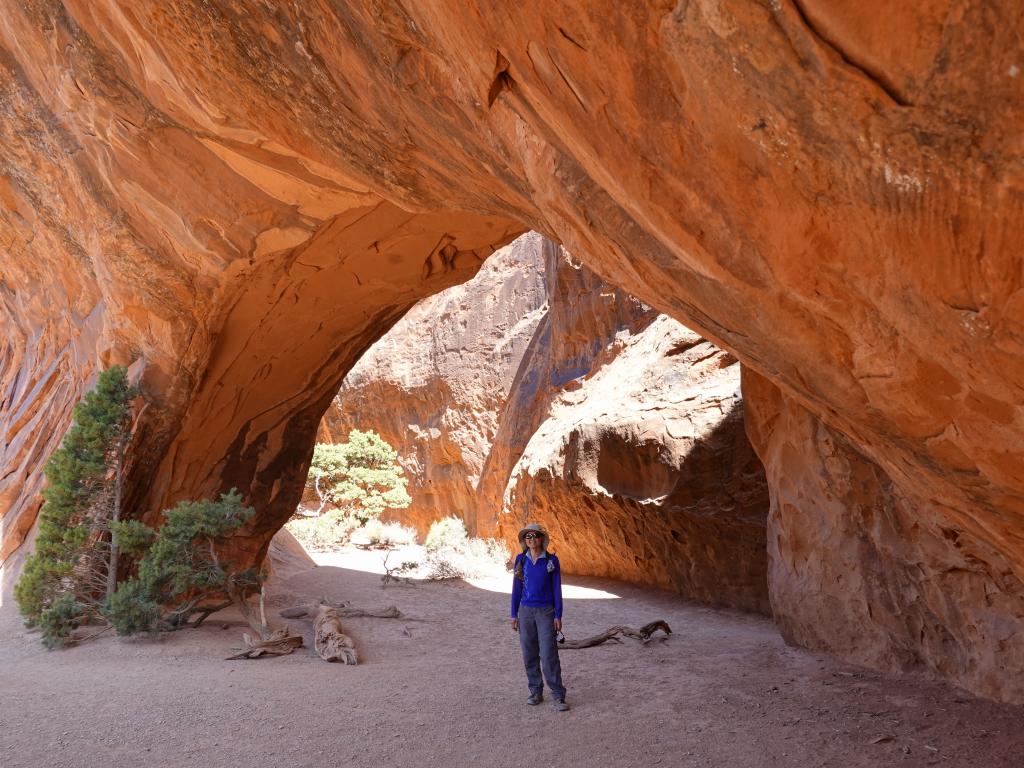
[(533, 536)]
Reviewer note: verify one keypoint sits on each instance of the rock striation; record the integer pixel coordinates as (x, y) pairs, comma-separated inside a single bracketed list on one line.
[(238, 198), (862, 568), (536, 391)]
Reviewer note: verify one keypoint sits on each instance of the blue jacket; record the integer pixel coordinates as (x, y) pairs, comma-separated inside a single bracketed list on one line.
[(540, 584)]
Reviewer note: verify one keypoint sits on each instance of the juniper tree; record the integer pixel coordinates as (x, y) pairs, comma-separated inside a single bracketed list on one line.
[(360, 478), (66, 580), (180, 572)]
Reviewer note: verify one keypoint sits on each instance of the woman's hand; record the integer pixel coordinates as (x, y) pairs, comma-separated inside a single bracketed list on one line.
[(558, 625), (515, 625)]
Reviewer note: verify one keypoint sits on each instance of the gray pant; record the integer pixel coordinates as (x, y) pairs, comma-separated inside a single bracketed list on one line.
[(537, 641)]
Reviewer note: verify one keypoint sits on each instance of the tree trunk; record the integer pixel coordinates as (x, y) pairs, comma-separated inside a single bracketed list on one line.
[(115, 516), (320, 494), (330, 642), (302, 611)]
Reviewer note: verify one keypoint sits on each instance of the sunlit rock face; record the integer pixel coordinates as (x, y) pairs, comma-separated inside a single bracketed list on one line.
[(435, 386), (641, 470), (830, 191), (537, 392)]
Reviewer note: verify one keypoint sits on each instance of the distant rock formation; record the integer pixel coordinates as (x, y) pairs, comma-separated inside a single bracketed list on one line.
[(642, 471), (435, 385), (536, 391)]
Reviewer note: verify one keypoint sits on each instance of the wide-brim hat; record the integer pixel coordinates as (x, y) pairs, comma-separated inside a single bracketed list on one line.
[(536, 528)]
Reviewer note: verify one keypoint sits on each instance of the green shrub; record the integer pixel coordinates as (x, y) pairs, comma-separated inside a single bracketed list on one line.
[(133, 537), (60, 617), (381, 534), (65, 581), (324, 533), (180, 572), (479, 557), (447, 533), (131, 609), (488, 554), (452, 554), (442, 567)]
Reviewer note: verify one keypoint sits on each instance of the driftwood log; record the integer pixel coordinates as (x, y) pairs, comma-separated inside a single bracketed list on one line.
[(612, 635), (280, 642), (303, 611), (330, 642)]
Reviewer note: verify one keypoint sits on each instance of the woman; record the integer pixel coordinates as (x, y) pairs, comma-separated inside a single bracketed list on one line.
[(537, 614)]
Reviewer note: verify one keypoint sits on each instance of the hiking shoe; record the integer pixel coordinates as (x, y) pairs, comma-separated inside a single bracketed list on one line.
[(559, 705), (535, 699)]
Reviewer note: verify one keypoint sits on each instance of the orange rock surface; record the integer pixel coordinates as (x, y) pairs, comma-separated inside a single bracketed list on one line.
[(435, 386), (239, 197), (866, 569), (537, 392), (641, 470)]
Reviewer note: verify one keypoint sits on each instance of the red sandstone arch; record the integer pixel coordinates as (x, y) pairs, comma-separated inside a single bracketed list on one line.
[(296, 326), (832, 191)]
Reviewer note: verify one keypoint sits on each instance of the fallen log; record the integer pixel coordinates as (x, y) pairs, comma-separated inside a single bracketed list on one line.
[(280, 642), (391, 612), (302, 611), (612, 635), (330, 642)]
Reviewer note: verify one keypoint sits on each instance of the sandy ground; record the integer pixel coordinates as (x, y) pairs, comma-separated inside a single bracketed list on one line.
[(448, 689)]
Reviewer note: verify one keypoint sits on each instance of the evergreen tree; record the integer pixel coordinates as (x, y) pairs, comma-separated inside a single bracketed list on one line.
[(180, 572), (360, 478), (66, 579)]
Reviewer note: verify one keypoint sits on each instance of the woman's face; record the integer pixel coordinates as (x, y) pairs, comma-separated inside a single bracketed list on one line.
[(533, 541)]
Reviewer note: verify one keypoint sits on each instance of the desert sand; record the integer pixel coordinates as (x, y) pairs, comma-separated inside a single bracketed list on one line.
[(445, 687)]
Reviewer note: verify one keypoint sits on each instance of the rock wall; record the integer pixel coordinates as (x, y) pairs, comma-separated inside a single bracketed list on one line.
[(535, 391), (642, 471), (435, 385), (240, 197), (862, 568)]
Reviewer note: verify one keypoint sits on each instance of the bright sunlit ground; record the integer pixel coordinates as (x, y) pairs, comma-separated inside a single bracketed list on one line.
[(493, 580)]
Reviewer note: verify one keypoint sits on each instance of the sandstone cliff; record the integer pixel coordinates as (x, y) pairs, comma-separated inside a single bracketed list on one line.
[(435, 385), (642, 471), (536, 391), (241, 197), (863, 568)]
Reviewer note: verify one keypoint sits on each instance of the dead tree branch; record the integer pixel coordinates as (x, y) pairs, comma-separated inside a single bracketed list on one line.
[(395, 574), (612, 635), (280, 643), (304, 611), (208, 611)]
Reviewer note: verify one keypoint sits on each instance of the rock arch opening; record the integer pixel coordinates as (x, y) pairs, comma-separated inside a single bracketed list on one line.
[(538, 392), (299, 323)]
